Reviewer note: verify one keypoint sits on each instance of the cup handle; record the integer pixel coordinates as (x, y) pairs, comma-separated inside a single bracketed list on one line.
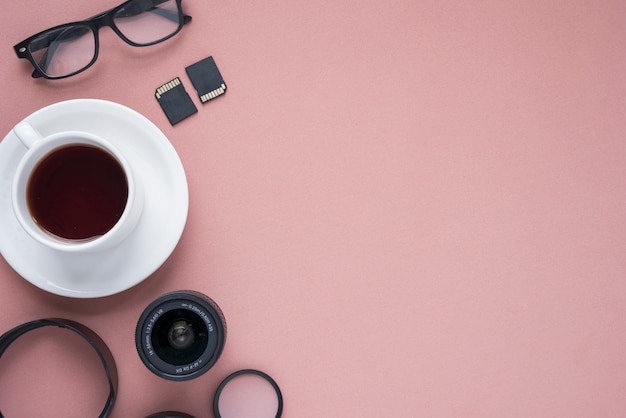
[(27, 134)]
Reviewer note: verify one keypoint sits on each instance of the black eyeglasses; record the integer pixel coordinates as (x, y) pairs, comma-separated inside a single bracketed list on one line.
[(66, 50)]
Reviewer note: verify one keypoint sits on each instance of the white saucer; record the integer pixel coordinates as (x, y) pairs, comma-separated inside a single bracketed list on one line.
[(156, 165)]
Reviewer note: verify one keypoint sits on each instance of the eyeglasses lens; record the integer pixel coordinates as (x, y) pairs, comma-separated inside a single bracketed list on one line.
[(64, 50), (148, 22)]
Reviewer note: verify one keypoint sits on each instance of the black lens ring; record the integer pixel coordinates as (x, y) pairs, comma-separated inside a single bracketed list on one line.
[(94, 340), (170, 414), (196, 303), (218, 392)]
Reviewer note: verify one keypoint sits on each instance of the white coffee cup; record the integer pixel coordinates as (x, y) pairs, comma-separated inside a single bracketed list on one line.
[(70, 215)]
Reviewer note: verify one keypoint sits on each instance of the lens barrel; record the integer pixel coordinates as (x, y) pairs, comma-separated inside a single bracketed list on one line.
[(181, 335)]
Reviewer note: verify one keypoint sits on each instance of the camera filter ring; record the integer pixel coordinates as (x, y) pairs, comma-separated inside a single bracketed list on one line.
[(218, 409)]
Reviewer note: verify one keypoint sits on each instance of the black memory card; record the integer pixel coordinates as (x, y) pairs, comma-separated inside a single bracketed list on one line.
[(175, 101), (206, 79)]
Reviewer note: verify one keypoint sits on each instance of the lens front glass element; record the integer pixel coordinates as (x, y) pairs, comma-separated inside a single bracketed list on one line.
[(65, 50), (147, 22), (179, 337)]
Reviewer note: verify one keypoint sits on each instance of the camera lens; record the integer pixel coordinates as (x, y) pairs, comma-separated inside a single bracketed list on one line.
[(181, 335)]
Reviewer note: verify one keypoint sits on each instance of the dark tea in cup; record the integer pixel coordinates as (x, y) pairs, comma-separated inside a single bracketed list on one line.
[(77, 192)]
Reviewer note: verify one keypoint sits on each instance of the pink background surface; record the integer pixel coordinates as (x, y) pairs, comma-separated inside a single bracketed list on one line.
[(410, 208)]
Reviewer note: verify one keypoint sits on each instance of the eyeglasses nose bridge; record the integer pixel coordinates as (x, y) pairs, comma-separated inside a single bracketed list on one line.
[(103, 19)]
